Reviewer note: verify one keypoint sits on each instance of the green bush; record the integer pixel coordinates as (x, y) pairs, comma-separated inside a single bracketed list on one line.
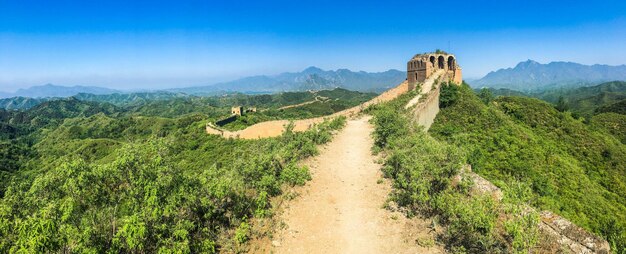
[(449, 94), (243, 232), (521, 225), (295, 175), (391, 125), (486, 95)]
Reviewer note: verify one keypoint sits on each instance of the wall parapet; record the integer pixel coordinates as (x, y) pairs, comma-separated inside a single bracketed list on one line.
[(425, 105)]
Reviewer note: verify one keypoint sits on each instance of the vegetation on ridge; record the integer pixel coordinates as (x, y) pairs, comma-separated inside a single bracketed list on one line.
[(582, 101), (575, 169), (92, 177), (422, 170)]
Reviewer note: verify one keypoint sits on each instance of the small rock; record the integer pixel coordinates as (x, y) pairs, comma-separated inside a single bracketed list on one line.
[(276, 243)]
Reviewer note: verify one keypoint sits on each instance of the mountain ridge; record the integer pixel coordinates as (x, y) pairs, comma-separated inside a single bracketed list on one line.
[(311, 78), (531, 75), (50, 90)]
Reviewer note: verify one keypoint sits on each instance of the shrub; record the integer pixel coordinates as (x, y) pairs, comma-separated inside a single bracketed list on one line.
[(449, 94), (486, 95), (295, 175), (243, 232), (389, 124)]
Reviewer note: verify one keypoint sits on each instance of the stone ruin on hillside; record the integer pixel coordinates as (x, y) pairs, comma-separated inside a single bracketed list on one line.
[(239, 110), (421, 66)]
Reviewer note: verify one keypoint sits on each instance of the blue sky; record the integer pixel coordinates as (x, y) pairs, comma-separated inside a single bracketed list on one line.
[(158, 44)]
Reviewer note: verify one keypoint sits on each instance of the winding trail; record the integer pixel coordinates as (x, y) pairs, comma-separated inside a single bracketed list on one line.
[(341, 209)]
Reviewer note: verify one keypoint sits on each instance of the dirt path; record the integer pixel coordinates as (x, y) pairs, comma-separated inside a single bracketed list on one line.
[(341, 209)]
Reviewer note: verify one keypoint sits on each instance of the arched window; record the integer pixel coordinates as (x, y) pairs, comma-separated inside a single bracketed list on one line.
[(432, 60), (451, 63), (441, 61)]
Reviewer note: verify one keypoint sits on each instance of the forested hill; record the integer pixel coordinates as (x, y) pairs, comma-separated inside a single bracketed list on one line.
[(51, 113), (534, 76), (584, 101), (232, 98), (125, 99), (17, 103), (575, 168), (143, 177)]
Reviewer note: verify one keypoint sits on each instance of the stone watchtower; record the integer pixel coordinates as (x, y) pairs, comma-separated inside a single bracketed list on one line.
[(421, 66), (237, 110)]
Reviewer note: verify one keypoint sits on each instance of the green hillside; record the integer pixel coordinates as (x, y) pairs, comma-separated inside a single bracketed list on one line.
[(617, 107), (613, 123), (17, 103), (583, 101), (575, 169), (90, 177), (333, 101)]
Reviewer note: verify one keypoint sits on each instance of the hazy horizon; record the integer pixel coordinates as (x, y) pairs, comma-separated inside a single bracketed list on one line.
[(146, 45), (216, 82)]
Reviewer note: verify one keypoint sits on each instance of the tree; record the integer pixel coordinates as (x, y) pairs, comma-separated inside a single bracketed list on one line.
[(561, 105), (449, 95), (486, 95)]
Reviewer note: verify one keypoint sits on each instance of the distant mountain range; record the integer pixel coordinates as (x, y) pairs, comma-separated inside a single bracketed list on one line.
[(312, 78), (534, 76), (50, 90)]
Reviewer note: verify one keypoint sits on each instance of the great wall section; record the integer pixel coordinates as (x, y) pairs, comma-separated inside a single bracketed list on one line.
[(276, 128), (428, 72)]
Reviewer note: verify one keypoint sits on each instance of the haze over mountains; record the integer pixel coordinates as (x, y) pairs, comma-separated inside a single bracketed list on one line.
[(312, 78), (533, 76), (528, 76), (50, 90)]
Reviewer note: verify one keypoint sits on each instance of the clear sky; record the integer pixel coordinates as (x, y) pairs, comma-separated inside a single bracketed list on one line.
[(158, 44)]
